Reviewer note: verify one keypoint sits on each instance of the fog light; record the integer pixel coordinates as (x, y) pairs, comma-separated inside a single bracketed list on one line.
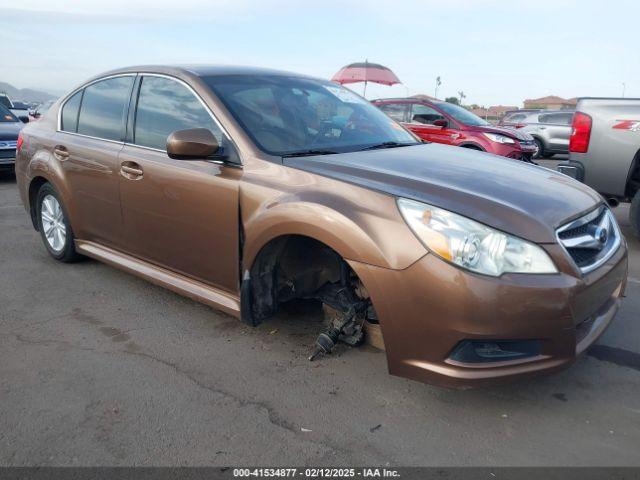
[(484, 351)]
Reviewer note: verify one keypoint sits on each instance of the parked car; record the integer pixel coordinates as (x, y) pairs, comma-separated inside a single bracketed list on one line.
[(550, 130), (443, 122), (9, 129), (605, 150), (246, 188), (41, 109), (5, 101)]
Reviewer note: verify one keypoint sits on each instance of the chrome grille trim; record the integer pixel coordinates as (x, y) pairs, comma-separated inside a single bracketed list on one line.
[(578, 236), (8, 144)]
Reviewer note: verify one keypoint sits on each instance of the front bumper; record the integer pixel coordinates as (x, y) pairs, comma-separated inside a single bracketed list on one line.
[(426, 310), (7, 158)]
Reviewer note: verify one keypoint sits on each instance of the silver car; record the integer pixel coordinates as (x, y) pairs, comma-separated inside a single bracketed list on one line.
[(550, 129), (605, 150)]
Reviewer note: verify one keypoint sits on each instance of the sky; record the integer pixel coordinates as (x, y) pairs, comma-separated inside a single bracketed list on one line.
[(495, 51)]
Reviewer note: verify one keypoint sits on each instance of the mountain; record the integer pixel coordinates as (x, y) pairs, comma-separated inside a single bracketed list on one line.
[(25, 94)]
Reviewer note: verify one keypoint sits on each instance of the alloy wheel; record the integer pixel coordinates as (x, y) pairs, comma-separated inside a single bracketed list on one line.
[(53, 224)]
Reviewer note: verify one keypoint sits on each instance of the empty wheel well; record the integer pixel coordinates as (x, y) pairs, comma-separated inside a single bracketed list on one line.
[(34, 188), (294, 267)]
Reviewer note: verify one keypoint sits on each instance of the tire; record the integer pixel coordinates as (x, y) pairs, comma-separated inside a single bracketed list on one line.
[(54, 227), (540, 153), (634, 214)]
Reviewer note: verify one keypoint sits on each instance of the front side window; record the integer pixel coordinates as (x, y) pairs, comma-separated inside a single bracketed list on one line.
[(165, 106), (103, 109), (70, 113), (462, 115), (286, 115), (423, 114), (397, 111)]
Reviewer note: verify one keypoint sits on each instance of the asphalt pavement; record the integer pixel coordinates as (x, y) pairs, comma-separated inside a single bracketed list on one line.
[(98, 367)]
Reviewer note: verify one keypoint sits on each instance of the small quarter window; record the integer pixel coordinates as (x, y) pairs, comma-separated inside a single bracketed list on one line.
[(397, 111), (70, 113), (165, 106), (104, 106)]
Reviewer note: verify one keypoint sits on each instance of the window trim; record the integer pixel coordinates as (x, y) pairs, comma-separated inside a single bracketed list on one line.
[(133, 106), (83, 87)]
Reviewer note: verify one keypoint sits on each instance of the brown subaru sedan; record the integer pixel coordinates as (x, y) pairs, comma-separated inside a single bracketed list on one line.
[(248, 188)]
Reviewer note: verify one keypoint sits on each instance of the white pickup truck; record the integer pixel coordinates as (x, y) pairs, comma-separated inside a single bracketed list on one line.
[(604, 150)]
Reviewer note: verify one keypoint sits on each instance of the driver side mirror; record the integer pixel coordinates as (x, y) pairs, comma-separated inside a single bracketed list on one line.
[(192, 144), (441, 123), (23, 119)]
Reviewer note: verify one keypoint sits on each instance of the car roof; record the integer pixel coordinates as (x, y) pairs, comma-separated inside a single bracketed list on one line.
[(204, 70), (408, 99)]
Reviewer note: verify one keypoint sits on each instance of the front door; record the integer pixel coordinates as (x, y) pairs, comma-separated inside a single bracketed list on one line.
[(178, 214), (421, 122)]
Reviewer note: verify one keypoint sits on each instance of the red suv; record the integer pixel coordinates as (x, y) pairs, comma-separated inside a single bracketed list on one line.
[(443, 122)]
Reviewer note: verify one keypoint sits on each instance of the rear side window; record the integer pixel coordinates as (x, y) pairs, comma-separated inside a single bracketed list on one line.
[(397, 111), (103, 109), (70, 113), (517, 117), (165, 106)]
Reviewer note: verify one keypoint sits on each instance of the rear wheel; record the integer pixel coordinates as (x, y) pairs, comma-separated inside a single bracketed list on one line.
[(634, 213), (54, 226), (539, 153)]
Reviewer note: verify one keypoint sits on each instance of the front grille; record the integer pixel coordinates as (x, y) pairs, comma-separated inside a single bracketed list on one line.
[(527, 143), (592, 239), (8, 153)]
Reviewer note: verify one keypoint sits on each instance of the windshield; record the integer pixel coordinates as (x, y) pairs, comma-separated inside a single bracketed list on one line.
[(462, 115), (7, 116), (287, 115)]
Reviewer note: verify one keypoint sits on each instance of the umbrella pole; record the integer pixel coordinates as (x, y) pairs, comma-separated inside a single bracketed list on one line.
[(364, 93)]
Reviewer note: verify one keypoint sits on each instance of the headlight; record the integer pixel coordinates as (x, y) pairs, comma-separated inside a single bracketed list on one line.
[(472, 245), (496, 137)]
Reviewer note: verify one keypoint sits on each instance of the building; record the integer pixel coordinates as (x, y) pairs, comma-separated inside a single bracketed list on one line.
[(551, 102)]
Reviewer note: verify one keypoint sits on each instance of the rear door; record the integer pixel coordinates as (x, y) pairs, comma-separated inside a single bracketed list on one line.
[(558, 129), (178, 214), (92, 129), (420, 121)]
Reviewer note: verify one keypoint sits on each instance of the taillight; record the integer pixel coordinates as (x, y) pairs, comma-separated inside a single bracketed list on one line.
[(580, 133), (19, 142)]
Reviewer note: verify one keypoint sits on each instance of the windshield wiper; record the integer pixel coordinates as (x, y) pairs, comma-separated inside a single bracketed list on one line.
[(379, 146), (308, 153)]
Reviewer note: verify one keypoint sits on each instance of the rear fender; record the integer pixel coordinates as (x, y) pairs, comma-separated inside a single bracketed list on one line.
[(44, 165)]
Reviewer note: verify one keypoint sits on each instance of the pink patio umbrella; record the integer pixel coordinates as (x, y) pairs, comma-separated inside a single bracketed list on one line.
[(365, 72)]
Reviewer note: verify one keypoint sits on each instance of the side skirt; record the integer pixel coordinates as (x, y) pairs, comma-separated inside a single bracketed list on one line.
[(180, 284)]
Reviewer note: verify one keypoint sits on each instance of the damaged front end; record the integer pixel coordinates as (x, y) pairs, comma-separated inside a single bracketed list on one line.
[(295, 267)]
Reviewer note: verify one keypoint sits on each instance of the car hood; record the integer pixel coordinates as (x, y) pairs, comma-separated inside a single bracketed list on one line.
[(509, 132), (525, 200), (10, 130)]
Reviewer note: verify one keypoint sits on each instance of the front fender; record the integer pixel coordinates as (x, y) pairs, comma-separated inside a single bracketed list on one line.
[(375, 234)]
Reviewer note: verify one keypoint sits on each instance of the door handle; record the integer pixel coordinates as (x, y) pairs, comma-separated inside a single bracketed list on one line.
[(60, 152), (131, 170)]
